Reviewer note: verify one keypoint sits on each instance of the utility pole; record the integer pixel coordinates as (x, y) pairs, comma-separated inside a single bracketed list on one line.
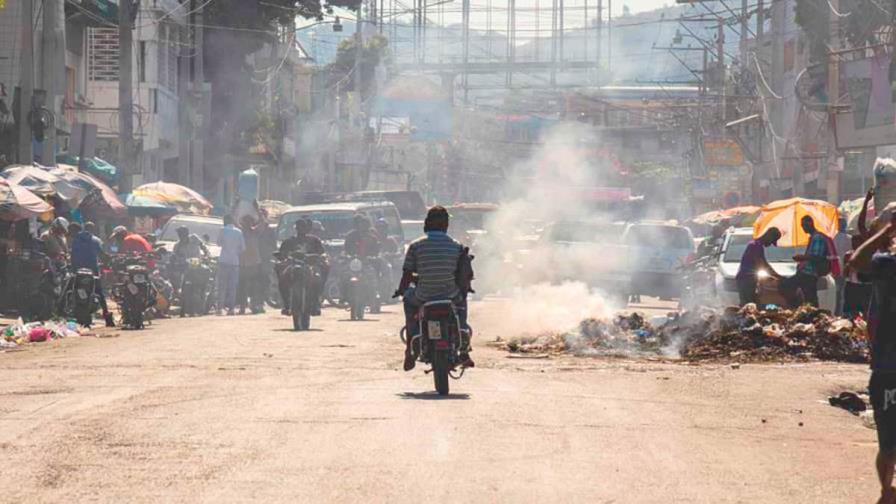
[(199, 96), (359, 47), (720, 55), (833, 176), (125, 96), (465, 7), (744, 18), (52, 74), (26, 78)]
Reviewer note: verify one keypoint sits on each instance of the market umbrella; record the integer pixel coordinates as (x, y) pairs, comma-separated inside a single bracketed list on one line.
[(850, 209), (786, 215), (17, 202), (185, 199), (42, 182), (99, 195)]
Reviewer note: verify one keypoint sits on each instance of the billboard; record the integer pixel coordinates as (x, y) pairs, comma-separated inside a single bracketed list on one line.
[(722, 152), (868, 116)]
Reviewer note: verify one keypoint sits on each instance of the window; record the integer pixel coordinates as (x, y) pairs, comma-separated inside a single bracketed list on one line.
[(141, 62), (155, 101), (103, 54)]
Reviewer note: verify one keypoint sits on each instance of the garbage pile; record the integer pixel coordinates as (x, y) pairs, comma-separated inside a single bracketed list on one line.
[(745, 334), (20, 333), (751, 334)]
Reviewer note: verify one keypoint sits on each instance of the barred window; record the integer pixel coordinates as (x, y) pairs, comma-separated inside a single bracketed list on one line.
[(173, 45), (102, 45)]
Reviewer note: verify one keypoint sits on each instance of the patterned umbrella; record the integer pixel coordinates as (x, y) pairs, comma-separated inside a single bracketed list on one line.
[(100, 196), (185, 199), (17, 202), (42, 182)]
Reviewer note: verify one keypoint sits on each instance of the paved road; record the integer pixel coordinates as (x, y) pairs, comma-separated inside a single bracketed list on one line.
[(223, 409)]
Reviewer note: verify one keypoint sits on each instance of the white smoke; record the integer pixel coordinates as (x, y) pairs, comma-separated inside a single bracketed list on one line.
[(543, 283)]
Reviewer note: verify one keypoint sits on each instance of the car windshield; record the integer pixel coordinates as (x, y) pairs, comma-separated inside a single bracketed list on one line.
[(336, 223), (674, 237), (737, 244), (199, 228)]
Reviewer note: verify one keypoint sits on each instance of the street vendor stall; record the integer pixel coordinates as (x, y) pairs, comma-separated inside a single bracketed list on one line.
[(183, 198)]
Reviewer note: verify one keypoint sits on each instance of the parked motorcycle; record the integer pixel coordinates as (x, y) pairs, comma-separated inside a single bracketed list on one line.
[(196, 287), (79, 299), (134, 291), (439, 340), (37, 286), (304, 276), (361, 288)]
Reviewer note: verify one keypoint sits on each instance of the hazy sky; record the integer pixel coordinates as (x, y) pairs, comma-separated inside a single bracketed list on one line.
[(640, 5)]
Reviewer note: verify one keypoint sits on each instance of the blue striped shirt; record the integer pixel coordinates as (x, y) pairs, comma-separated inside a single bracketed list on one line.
[(434, 259)]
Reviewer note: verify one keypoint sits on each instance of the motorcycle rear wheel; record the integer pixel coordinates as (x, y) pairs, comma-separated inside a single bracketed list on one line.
[(298, 307), (440, 370)]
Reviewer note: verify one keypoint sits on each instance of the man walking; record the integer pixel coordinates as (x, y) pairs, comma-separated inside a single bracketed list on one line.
[(232, 247), (877, 258), (250, 268)]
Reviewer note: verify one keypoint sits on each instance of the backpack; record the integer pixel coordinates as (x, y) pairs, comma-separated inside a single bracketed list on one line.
[(463, 274)]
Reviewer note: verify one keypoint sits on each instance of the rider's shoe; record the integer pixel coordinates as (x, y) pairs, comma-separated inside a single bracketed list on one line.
[(409, 361), (284, 311), (466, 361), (110, 321)]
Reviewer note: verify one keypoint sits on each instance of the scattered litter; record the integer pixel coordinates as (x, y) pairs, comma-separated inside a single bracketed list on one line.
[(849, 401), (20, 333)]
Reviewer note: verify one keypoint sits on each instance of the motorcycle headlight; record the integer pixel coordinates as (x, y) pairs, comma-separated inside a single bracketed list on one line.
[(193, 261), (356, 265)]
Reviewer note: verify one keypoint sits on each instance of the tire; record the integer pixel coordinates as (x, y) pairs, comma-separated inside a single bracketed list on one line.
[(186, 301), (298, 308), (440, 372), (331, 293), (138, 320), (83, 315)]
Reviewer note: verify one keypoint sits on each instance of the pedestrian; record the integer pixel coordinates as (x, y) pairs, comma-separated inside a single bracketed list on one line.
[(232, 247), (54, 240), (250, 267), (752, 262), (842, 245), (877, 257), (812, 264)]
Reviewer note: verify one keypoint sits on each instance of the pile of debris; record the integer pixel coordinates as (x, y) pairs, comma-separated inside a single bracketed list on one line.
[(750, 334), (20, 333), (743, 334)]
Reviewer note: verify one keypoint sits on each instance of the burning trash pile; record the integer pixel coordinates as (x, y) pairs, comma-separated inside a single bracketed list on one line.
[(744, 334)]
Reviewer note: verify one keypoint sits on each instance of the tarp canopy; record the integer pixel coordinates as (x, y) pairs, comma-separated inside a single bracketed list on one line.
[(17, 202), (787, 214), (94, 166), (185, 199), (737, 213)]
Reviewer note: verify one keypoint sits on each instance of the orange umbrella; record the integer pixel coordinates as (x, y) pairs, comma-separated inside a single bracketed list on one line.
[(787, 214)]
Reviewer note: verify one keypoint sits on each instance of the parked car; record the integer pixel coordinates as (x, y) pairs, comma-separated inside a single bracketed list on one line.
[(779, 258), (197, 224), (589, 251), (655, 253)]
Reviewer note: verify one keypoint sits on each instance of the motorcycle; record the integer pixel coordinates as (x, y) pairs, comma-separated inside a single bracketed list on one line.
[(37, 285), (439, 341), (361, 288), (304, 277), (79, 299), (196, 287), (134, 292)]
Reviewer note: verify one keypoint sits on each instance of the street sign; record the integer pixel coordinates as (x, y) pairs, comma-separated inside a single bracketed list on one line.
[(722, 152)]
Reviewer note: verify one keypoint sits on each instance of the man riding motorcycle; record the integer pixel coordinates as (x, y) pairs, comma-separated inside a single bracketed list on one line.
[(86, 251), (309, 244), (432, 262), (188, 246), (362, 241)]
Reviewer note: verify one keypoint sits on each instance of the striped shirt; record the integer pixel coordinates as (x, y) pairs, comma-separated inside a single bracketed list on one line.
[(434, 259)]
